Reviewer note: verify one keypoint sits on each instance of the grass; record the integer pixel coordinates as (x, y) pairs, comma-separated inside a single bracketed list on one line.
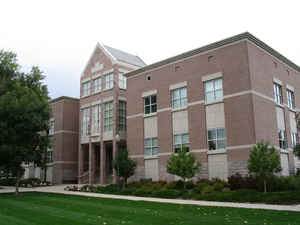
[(55, 209)]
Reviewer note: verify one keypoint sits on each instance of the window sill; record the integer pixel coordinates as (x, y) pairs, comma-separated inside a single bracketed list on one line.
[(107, 89), (150, 114), (124, 89), (96, 92), (214, 102), (292, 109), (284, 151), (95, 134), (217, 151), (179, 109), (84, 96), (150, 157)]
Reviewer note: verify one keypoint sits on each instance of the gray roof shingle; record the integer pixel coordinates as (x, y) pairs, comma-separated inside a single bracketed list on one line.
[(125, 57)]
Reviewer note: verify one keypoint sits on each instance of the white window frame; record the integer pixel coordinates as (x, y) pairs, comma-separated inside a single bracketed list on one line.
[(97, 84), (49, 156), (216, 98), (283, 144), (290, 99), (108, 81), (51, 127), (180, 98), (278, 97), (122, 115), (152, 148), (216, 139), (108, 116), (96, 118), (85, 124), (152, 106), (295, 139), (86, 88), (182, 143), (122, 81)]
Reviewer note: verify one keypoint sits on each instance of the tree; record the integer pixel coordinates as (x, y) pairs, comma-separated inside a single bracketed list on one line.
[(183, 164), (264, 161), (24, 103), (298, 120), (124, 166)]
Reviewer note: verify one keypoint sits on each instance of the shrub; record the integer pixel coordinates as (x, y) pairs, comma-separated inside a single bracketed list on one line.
[(207, 189), (189, 185), (218, 186), (8, 182), (167, 193)]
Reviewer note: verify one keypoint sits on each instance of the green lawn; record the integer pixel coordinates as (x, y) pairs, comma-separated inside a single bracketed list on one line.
[(54, 209)]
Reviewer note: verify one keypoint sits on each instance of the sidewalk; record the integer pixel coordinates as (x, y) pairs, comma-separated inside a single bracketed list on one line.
[(59, 189)]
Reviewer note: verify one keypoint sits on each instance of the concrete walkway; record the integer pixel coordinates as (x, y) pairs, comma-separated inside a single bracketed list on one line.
[(59, 189)]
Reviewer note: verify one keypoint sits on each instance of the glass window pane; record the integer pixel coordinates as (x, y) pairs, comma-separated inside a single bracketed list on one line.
[(147, 109), (183, 93), (221, 144), (148, 142), (176, 103), (175, 94), (219, 94), (221, 133), (186, 147), (183, 102), (153, 108), (218, 84), (147, 101), (148, 151), (177, 148), (211, 134), (185, 139), (154, 142), (154, 151), (209, 97), (177, 139), (153, 99), (209, 86), (212, 145)]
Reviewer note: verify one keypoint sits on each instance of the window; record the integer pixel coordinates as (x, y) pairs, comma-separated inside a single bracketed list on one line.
[(216, 138), (96, 117), (85, 122), (180, 142), (122, 81), (108, 116), (290, 99), (179, 98), (151, 147), (51, 127), (295, 139), (213, 90), (150, 104), (278, 93), (109, 81), (86, 88), (122, 116), (97, 85), (282, 139), (49, 156)]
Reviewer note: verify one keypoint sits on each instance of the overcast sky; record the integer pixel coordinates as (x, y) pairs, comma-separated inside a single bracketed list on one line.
[(59, 36)]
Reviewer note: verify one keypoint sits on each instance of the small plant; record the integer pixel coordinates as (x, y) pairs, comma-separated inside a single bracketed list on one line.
[(264, 162), (183, 164)]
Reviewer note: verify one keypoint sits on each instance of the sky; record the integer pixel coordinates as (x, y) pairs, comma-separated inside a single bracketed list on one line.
[(59, 36)]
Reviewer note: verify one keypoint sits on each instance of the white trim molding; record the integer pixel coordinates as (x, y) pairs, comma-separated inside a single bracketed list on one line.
[(178, 85), (276, 80), (108, 99), (211, 76), (149, 93), (291, 88)]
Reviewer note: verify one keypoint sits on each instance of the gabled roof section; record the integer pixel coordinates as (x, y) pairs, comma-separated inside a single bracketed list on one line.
[(213, 46), (125, 57)]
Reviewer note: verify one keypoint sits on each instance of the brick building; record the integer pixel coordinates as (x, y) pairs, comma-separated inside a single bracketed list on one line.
[(63, 157), (103, 112), (217, 101)]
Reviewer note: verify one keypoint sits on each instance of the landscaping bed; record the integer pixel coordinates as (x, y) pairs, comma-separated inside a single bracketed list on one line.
[(27, 183), (238, 189)]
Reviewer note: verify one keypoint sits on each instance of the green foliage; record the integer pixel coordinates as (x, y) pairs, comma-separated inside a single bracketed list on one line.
[(124, 166), (183, 164), (264, 162), (24, 103)]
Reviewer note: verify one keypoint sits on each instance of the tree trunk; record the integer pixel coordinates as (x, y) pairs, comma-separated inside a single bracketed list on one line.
[(45, 174), (265, 186), (125, 182)]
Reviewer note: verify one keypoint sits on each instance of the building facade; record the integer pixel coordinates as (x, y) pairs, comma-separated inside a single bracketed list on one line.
[(217, 102), (103, 112), (63, 156)]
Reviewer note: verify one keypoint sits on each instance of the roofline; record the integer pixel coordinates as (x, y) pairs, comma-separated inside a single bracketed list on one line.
[(213, 46), (62, 98)]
